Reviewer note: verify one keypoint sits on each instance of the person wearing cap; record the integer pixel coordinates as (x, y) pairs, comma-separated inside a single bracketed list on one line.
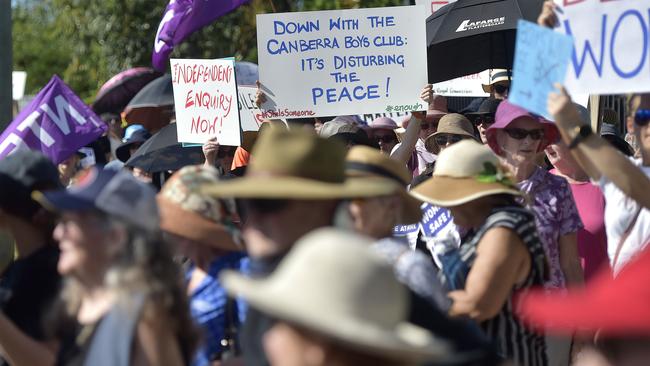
[(500, 255), (318, 295), (609, 133), (498, 84), (345, 131), (205, 232), (382, 132), (623, 181), (483, 118), (417, 127), (610, 314), (295, 184), (31, 282), (134, 137), (122, 302)]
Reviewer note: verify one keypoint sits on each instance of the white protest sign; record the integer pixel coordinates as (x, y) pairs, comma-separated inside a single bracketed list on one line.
[(433, 5), (205, 97), (250, 116), (18, 80), (611, 50), (342, 62), (466, 86)]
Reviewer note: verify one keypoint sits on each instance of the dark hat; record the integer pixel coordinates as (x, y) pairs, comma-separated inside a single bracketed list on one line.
[(117, 194), (488, 106), (609, 133), (20, 174), (123, 152)]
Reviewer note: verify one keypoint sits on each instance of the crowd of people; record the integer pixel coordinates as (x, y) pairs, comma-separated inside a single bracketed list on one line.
[(289, 251)]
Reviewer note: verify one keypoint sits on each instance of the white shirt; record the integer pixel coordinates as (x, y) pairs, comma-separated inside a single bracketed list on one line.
[(619, 213), (424, 156)]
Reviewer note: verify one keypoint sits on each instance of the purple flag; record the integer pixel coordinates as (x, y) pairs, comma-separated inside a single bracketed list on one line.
[(56, 122), (182, 18)]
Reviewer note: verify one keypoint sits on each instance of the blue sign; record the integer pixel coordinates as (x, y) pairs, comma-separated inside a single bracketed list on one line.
[(542, 57), (434, 220), (405, 230)]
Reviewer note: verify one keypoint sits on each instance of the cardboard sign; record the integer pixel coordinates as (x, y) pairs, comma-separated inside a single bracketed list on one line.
[(250, 116), (342, 62), (205, 97), (541, 60), (611, 45), (56, 122), (433, 5)]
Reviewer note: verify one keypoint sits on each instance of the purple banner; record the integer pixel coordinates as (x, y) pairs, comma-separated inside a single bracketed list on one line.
[(56, 122), (182, 18)]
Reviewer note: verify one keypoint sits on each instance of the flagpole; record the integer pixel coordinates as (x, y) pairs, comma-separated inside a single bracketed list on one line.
[(6, 97)]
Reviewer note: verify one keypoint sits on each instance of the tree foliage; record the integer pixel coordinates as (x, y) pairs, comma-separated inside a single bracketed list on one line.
[(88, 41)]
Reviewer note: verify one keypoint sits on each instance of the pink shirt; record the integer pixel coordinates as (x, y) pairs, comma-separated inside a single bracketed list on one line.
[(592, 239)]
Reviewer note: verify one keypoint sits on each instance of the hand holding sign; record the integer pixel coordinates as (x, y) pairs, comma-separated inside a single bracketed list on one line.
[(541, 60)]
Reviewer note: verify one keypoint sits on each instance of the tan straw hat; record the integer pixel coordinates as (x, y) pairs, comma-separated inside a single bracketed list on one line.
[(296, 165), (453, 124), (365, 164), (333, 284), (464, 172), (496, 76), (188, 213)]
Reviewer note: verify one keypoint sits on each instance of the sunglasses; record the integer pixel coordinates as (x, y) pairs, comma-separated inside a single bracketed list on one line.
[(386, 139), (642, 117), (222, 153), (520, 133), (483, 120), (442, 140), (500, 89)]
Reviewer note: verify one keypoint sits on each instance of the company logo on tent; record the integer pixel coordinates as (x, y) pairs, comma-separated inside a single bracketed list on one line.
[(467, 25)]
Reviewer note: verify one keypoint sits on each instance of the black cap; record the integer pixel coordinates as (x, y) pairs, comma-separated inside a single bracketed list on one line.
[(488, 106)]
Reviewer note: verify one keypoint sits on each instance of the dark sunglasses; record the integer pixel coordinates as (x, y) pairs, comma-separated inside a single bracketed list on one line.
[(520, 133), (442, 140), (387, 139), (642, 117), (500, 89), (483, 120), (222, 153)]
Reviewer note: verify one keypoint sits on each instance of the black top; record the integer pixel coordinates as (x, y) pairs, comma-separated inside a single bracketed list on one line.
[(27, 289)]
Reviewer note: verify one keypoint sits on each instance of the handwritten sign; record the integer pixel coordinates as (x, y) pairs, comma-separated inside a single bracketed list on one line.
[(433, 5), (342, 62), (466, 86), (250, 116), (541, 60), (205, 97), (611, 45)]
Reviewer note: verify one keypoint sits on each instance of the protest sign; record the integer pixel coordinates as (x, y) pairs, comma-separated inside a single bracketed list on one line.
[(435, 220), (433, 5), (18, 81), (249, 115), (541, 60), (56, 122), (205, 97), (611, 48), (466, 86), (342, 62)]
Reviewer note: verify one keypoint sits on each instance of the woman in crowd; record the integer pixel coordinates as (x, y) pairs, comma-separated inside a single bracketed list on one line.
[(336, 303), (122, 303), (501, 255), (382, 133), (203, 227)]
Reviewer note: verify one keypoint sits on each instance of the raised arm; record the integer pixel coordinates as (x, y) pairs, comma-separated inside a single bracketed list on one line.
[(596, 156), (403, 152), (501, 262)]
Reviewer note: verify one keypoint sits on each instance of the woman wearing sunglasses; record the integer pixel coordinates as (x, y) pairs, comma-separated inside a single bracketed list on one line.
[(519, 137), (484, 117)]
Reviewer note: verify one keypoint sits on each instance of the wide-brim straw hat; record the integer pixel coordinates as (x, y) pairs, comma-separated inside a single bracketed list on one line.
[(367, 165), (506, 114), (296, 165), (331, 283), (186, 212), (464, 172), (496, 76), (450, 124)]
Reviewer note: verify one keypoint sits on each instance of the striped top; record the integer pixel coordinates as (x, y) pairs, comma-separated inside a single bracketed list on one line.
[(512, 339)]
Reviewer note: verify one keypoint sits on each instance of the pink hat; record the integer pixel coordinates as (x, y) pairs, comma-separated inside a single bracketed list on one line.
[(508, 112), (383, 123)]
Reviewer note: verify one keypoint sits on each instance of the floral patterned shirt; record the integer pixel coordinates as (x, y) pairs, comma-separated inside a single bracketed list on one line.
[(556, 214)]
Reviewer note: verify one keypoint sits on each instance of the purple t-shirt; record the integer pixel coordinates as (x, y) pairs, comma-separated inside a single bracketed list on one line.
[(555, 215)]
